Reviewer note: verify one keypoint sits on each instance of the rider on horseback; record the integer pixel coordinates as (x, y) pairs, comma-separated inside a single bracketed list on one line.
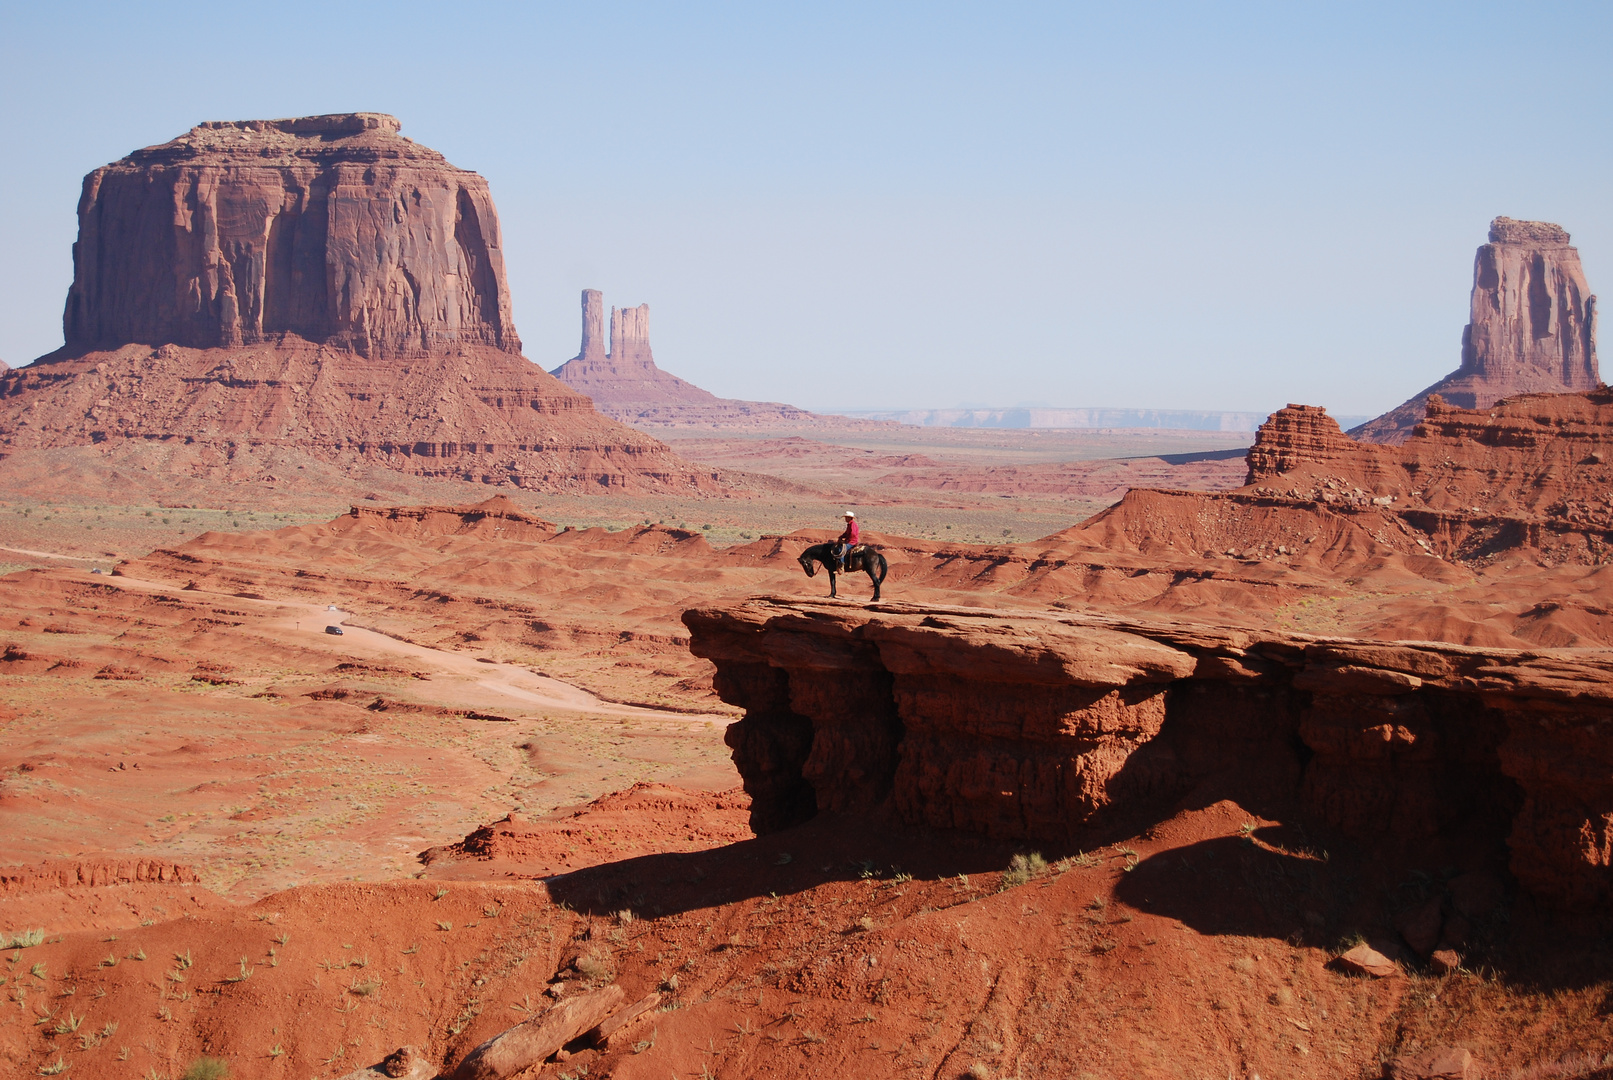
[(846, 541)]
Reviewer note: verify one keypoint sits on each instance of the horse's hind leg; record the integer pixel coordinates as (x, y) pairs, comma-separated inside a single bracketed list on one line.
[(873, 581)]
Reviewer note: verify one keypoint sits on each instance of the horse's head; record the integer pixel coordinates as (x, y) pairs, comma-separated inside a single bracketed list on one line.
[(808, 563)]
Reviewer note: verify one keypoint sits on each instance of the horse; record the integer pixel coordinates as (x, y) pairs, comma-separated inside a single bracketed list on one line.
[(861, 558)]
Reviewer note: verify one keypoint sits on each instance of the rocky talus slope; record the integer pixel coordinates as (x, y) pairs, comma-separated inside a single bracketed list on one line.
[(470, 413), (1036, 726), (1532, 328)]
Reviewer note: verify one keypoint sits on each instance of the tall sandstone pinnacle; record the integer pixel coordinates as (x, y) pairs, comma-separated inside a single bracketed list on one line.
[(630, 337), (625, 379), (265, 293), (593, 327), (626, 383), (1532, 329)]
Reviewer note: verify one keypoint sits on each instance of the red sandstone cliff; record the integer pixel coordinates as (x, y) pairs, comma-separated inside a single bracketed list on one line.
[(321, 287), (1038, 725), (1532, 329), (333, 228)]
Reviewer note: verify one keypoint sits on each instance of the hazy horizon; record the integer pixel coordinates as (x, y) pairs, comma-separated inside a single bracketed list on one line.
[(905, 206)]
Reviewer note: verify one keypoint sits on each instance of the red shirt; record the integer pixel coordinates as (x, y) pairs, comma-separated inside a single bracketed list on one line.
[(851, 533)]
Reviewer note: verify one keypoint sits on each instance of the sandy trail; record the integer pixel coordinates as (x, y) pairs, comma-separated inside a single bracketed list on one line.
[(56, 555), (290, 622)]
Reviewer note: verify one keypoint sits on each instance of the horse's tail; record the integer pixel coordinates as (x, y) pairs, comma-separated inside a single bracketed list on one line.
[(883, 566)]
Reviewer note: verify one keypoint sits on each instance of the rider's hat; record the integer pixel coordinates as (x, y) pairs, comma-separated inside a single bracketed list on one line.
[(850, 514)]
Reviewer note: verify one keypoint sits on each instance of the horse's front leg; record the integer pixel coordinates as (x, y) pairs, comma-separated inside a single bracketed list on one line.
[(831, 584)]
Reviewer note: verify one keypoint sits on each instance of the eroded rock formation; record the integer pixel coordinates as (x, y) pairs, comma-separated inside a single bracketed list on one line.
[(478, 414), (1530, 473), (626, 378), (1034, 726), (627, 385), (319, 289), (334, 228), (1532, 328)]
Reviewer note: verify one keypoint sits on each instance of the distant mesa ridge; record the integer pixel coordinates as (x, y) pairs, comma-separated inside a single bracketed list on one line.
[(1045, 417), (1532, 328), (626, 384)]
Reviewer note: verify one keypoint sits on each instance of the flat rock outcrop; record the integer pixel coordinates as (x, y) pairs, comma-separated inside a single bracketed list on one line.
[(626, 384), (334, 228), (1532, 328), (1034, 726), (313, 290)]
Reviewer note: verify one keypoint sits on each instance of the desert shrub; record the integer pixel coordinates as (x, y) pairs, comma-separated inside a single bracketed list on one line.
[(595, 967), (1024, 867), (208, 1068), (23, 939)]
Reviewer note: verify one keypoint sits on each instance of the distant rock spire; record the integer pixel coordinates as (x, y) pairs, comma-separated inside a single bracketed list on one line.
[(630, 336), (593, 327), (1532, 328)]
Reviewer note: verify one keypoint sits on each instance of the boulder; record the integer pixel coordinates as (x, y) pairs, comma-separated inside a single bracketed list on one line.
[(1438, 1063), (1445, 961), (1365, 960), (530, 1042), (404, 1063)]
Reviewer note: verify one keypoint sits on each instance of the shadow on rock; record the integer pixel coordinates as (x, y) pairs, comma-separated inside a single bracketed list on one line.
[(1236, 885), (828, 848)]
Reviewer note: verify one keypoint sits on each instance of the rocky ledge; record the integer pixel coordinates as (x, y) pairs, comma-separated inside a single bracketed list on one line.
[(1038, 726)]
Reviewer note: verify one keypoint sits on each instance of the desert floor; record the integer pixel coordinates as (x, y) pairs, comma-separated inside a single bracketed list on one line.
[(236, 834)]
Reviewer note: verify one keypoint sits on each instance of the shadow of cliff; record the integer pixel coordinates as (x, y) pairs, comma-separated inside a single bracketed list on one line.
[(828, 848), (1279, 883)]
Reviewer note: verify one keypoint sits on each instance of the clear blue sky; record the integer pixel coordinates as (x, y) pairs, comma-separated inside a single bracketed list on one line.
[(1162, 205)]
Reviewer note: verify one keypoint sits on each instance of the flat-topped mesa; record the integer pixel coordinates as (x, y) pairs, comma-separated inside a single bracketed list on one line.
[(334, 229), (1532, 328)]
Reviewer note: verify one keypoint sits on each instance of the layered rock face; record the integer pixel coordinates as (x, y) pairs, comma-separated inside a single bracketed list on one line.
[(1529, 473), (322, 288), (626, 383), (333, 228), (1035, 726), (1532, 328)]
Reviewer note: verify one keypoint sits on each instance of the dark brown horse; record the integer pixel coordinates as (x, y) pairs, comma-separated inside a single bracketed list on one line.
[(865, 559)]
